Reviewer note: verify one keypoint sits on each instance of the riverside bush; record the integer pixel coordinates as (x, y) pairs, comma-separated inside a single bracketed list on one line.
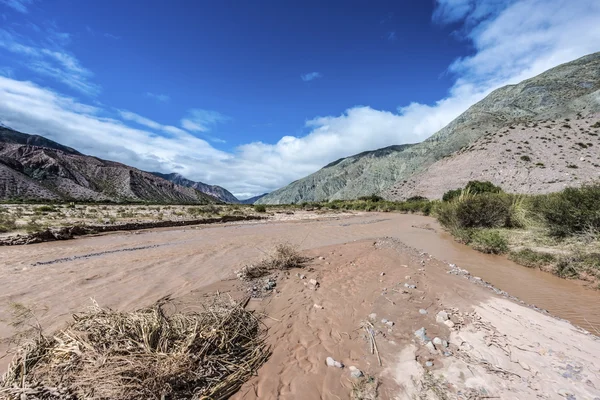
[(474, 188), (481, 211), (572, 211), (489, 241)]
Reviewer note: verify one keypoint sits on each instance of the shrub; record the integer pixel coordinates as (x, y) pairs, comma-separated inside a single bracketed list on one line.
[(531, 258), (42, 209), (416, 198), (451, 194), (261, 208), (489, 241), (483, 211), (478, 187), (374, 198), (526, 158), (574, 210), (474, 188), (7, 223), (283, 257), (596, 125)]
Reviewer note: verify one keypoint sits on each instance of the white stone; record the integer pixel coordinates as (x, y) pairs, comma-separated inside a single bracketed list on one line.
[(441, 317), (437, 341), (355, 372), (431, 347), (332, 363), (449, 323)]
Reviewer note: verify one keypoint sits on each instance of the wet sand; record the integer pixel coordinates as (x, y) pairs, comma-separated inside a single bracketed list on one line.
[(133, 269), (496, 348)]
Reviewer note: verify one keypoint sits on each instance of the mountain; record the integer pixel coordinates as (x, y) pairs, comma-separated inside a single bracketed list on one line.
[(538, 157), (35, 168), (252, 200), (558, 93), (212, 190), (365, 173)]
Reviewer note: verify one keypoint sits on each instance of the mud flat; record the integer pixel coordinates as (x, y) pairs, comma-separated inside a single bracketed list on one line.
[(393, 266)]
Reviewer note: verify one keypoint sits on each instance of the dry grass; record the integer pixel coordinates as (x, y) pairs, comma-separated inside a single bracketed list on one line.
[(146, 354), (365, 388), (283, 257)]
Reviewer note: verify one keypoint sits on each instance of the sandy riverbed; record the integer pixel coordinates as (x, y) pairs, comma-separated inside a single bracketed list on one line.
[(499, 348)]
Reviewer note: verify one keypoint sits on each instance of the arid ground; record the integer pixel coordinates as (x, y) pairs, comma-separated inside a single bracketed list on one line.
[(382, 273)]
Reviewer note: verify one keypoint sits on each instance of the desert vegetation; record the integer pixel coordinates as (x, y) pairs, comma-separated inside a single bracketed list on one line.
[(557, 232), (29, 218)]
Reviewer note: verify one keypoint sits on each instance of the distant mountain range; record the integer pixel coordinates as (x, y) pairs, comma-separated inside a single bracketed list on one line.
[(213, 190), (568, 91), (35, 168), (252, 200)]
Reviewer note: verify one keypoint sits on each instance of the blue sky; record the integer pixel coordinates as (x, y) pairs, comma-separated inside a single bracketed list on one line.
[(253, 95)]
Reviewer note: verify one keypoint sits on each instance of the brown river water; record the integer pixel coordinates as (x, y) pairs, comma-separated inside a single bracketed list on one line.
[(133, 269)]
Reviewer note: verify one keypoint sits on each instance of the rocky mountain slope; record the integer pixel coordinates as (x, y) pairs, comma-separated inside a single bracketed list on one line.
[(536, 157), (212, 190), (35, 168), (362, 174), (558, 93)]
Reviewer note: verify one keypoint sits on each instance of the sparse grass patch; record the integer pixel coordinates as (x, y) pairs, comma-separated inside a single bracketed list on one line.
[(365, 388), (7, 223), (531, 258), (283, 257), (44, 209)]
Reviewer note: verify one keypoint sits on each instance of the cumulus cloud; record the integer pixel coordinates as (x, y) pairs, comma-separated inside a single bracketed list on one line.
[(311, 76), (512, 41)]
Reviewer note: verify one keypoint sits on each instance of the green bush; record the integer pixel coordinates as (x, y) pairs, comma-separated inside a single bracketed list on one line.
[(526, 158), (451, 194), (374, 198), (531, 258), (489, 241), (41, 209), (482, 211), (261, 208), (7, 223), (572, 211), (416, 198), (474, 188)]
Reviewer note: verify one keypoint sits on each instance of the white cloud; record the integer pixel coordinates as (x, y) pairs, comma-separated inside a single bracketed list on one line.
[(138, 119), (512, 41), (55, 63), (18, 5), (163, 98), (311, 76), (198, 120)]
